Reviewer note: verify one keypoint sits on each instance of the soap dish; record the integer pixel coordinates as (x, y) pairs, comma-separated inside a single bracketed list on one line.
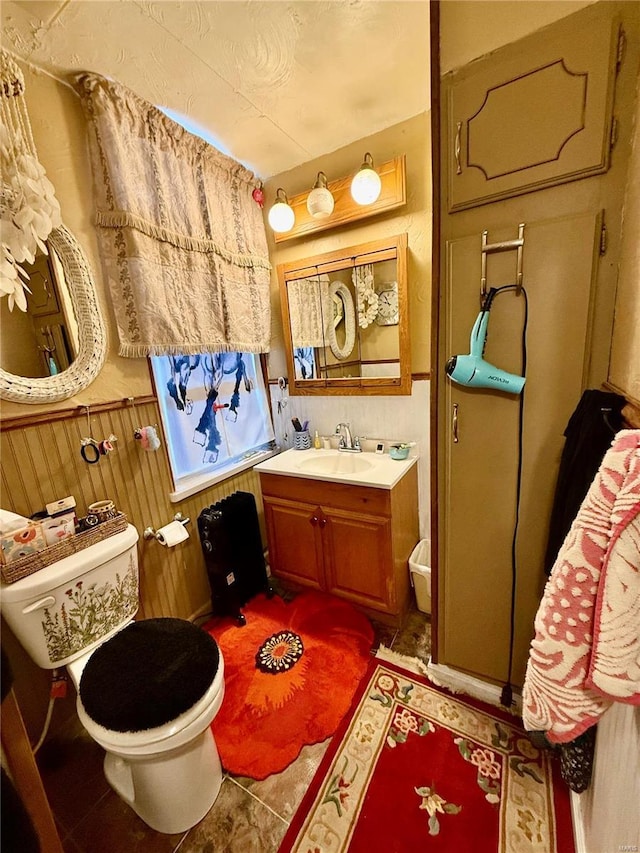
[(399, 451)]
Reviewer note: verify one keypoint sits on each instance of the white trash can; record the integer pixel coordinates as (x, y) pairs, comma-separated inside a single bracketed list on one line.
[(421, 574)]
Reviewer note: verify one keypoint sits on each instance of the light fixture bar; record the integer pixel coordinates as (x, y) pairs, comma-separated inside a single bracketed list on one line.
[(392, 175)]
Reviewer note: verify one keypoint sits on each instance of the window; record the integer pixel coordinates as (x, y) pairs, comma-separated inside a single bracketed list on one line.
[(216, 416)]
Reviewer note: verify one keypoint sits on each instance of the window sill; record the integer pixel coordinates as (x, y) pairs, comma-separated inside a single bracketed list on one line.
[(192, 485)]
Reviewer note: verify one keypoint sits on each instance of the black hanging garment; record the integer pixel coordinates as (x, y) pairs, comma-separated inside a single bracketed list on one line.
[(576, 760), (589, 433)]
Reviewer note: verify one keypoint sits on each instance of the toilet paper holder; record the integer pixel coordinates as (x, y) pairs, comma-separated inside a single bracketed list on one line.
[(152, 533)]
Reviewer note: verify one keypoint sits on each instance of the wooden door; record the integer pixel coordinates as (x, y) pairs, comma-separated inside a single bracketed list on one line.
[(20, 761), (48, 315), (358, 560), (481, 465), (295, 546), (527, 119)]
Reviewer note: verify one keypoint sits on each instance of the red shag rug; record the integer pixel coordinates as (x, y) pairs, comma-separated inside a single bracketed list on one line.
[(414, 767), (290, 676)]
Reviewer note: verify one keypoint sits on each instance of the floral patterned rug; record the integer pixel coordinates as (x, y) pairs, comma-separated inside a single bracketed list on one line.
[(290, 676), (414, 767)]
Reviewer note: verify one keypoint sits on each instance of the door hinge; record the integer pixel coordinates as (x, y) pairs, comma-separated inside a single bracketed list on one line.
[(603, 238), (622, 44), (614, 133)]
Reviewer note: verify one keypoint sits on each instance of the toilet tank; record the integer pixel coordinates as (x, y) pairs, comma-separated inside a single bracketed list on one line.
[(68, 608)]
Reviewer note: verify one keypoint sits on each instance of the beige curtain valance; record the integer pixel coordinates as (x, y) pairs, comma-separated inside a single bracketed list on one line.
[(182, 241)]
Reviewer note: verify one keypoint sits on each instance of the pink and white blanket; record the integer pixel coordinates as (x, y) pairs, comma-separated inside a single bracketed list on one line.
[(586, 650)]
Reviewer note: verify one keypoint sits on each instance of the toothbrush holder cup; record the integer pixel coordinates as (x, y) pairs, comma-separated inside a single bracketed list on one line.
[(302, 440)]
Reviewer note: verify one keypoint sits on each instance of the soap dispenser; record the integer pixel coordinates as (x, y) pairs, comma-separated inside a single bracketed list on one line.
[(316, 441)]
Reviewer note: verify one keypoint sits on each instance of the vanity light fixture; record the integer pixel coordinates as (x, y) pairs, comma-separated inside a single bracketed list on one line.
[(366, 184), (281, 216), (320, 201)]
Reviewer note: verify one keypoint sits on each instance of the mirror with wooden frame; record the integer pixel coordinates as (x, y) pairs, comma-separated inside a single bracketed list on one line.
[(345, 319)]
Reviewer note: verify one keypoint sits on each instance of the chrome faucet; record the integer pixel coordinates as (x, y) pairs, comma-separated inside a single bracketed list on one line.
[(348, 443)]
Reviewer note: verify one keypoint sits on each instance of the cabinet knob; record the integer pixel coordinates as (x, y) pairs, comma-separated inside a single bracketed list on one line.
[(323, 521), (314, 519)]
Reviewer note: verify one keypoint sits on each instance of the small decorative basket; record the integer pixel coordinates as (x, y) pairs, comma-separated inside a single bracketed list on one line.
[(302, 440), (25, 566)]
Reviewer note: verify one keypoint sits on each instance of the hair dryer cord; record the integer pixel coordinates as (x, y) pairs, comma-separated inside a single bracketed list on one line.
[(506, 698)]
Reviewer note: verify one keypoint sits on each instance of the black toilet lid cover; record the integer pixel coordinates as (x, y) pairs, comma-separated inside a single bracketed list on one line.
[(148, 674)]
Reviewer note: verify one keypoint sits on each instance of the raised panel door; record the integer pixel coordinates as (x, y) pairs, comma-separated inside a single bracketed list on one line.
[(538, 114), (358, 559), (478, 512), (295, 548)]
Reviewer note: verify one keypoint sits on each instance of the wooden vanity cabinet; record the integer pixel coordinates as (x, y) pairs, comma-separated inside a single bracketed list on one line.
[(351, 541)]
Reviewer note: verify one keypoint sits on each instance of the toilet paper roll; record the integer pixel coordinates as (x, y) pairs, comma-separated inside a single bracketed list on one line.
[(171, 534)]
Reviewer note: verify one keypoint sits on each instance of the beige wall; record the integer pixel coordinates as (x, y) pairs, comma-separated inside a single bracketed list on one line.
[(412, 138)]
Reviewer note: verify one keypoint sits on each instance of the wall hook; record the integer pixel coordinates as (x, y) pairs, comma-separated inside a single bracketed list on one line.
[(146, 435), (516, 245), (89, 447)]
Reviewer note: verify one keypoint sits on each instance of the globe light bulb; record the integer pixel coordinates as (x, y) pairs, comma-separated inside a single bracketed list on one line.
[(366, 183), (320, 202), (281, 216)]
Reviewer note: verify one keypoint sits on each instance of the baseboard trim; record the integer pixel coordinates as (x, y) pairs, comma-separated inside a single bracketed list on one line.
[(462, 682)]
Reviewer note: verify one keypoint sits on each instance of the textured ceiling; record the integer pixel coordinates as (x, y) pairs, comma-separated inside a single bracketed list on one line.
[(274, 84)]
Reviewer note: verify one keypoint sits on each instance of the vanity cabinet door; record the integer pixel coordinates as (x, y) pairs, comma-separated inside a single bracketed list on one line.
[(295, 546), (357, 558)]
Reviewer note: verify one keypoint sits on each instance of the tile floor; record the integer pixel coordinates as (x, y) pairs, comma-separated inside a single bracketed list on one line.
[(247, 817)]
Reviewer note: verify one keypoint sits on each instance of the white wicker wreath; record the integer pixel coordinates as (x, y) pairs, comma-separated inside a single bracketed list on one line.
[(337, 288), (91, 330)]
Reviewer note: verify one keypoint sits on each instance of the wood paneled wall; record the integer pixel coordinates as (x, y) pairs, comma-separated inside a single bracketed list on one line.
[(42, 463)]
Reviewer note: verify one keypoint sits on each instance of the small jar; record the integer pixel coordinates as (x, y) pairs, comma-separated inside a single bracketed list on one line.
[(103, 510)]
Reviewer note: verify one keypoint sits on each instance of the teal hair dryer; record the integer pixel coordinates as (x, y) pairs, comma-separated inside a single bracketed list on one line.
[(472, 370)]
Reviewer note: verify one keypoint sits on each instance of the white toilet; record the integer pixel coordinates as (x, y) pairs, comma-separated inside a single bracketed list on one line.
[(147, 690)]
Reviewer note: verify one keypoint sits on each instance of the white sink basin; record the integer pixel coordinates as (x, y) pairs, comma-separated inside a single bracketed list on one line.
[(357, 469), (340, 463)]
